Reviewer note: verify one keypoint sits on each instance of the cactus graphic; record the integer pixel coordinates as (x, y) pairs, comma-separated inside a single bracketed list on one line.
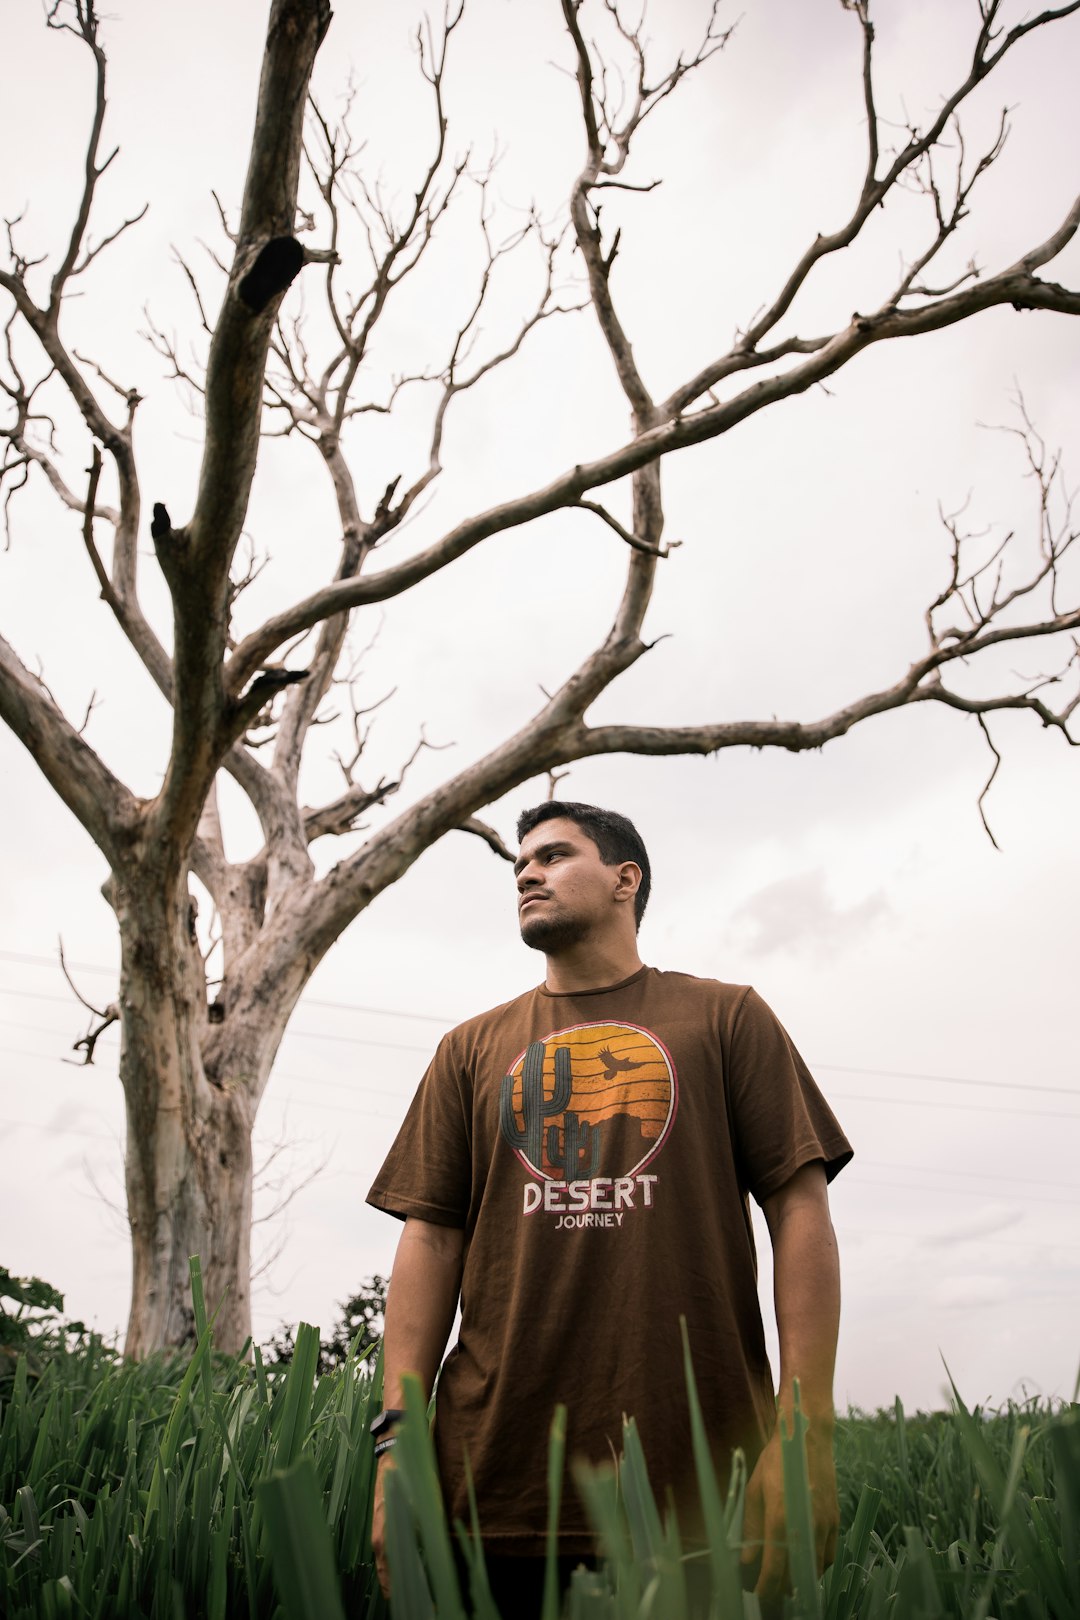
[(534, 1108), (579, 1138)]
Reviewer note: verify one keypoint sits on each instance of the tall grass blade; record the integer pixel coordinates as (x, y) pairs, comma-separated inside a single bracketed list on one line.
[(723, 1557), (472, 1550), (556, 1462), (844, 1583), (799, 1513), (1065, 1449), (410, 1593), (415, 1459), (301, 1555), (599, 1490), (202, 1326), (656, 1550), (291, 1410), (1043, 1571)]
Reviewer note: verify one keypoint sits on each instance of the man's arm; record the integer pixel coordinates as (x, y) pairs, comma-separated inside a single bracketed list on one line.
[(420, 1310), (806, 1291), (421, 1303)]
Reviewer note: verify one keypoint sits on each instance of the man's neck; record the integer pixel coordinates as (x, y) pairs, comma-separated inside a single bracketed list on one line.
[(589, 966)]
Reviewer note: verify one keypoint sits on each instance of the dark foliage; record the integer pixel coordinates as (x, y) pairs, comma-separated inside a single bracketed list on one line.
[(362, 1314), (32, 1322)]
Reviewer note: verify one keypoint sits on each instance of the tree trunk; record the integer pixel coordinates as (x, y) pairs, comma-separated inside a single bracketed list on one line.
[(188, 1166)]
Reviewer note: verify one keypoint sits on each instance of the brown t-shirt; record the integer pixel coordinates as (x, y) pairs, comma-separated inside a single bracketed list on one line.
[(599, 1149)]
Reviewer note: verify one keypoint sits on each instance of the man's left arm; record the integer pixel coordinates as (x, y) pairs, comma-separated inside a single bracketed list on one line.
[(806, 1291)]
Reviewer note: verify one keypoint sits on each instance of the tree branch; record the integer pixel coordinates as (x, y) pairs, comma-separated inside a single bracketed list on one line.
[(874, 189), (196, 559), (1017, 286), (85, 29), (107, 1016), (473, 824), (98, 799)]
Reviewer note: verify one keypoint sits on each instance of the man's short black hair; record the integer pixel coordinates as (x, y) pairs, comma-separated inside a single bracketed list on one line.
[(615, 836)]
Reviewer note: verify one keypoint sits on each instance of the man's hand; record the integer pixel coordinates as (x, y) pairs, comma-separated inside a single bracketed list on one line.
[(764, 1521), (420, 1309)]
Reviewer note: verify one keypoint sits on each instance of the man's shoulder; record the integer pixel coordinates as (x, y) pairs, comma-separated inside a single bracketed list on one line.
[(481, 1023), (717, 1004), (692, 985)]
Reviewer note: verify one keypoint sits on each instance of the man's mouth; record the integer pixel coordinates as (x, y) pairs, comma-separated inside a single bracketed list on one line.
[(528, 899)]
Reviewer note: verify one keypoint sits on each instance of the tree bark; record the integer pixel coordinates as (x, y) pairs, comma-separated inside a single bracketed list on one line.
[(188, 1171), (193, 1075)]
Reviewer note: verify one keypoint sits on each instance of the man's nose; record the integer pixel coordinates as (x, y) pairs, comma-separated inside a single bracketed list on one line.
[(527, 877)]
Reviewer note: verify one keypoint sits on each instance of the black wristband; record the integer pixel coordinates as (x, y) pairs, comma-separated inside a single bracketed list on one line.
[(385, 1420), (385, 1445)]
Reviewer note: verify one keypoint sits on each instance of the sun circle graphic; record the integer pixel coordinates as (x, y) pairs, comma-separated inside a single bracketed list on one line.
[(590, 1100)]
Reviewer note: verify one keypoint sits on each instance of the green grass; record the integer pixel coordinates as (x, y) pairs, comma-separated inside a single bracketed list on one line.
[(151, 1490), (204, 1487)]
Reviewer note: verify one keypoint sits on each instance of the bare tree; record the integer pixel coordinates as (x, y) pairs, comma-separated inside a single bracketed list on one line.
[(197, 1051)]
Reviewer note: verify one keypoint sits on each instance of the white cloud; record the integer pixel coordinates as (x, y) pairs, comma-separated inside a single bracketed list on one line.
[(980, 1225), (797, 913), (976, 1291)]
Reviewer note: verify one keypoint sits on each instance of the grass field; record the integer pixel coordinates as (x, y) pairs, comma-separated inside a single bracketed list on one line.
[(201, 1487)]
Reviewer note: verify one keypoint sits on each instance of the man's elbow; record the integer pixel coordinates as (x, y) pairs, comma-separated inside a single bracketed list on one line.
[(444, 1244), (805, 1196)]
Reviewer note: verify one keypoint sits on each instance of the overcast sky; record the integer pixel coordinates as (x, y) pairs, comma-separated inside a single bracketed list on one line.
[(928, 978)]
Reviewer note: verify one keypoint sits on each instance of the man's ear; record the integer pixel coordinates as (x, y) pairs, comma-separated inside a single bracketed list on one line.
[(629, 880)]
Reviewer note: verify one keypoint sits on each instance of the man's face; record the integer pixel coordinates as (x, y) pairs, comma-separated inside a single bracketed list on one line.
[(565, 891)]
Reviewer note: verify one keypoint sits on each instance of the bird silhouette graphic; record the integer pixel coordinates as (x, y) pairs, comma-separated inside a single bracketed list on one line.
[(614, 1065)]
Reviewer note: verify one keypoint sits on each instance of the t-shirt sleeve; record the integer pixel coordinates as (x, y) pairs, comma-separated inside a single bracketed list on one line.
[(780, 1119), (428, 1171)]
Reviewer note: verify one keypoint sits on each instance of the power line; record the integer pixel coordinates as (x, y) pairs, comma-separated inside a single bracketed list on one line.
[(399, 1046), (954, 1192), (53, 961), (383, 1091), (964, 1108), (29, 960), (33, 1029), (356, 1040), (950, 1079), (37, 995), (367, 1113), (952, 1170), (990, 1237), (436, 1018), (59, 1130), (904, 1186), (279, 1074), (381, 1012), (839, 1096), (308, 1102), (863, 1163), (312, 1034)]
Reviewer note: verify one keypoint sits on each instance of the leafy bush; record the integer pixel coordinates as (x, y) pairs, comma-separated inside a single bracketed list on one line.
[(37, 1310), (360, 1323), (32, 1324)]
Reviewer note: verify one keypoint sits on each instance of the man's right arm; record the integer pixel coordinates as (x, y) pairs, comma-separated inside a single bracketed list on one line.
[(421, 1303), (420, 1306)]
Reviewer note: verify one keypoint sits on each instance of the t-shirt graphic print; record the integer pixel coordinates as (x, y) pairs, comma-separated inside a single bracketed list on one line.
[(586, 1110)]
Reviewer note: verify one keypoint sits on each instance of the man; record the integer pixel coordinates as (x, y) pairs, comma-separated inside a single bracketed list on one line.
[(576, 1167)]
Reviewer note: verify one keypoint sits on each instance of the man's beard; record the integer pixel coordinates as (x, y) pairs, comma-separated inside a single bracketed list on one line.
[(552, 934)]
